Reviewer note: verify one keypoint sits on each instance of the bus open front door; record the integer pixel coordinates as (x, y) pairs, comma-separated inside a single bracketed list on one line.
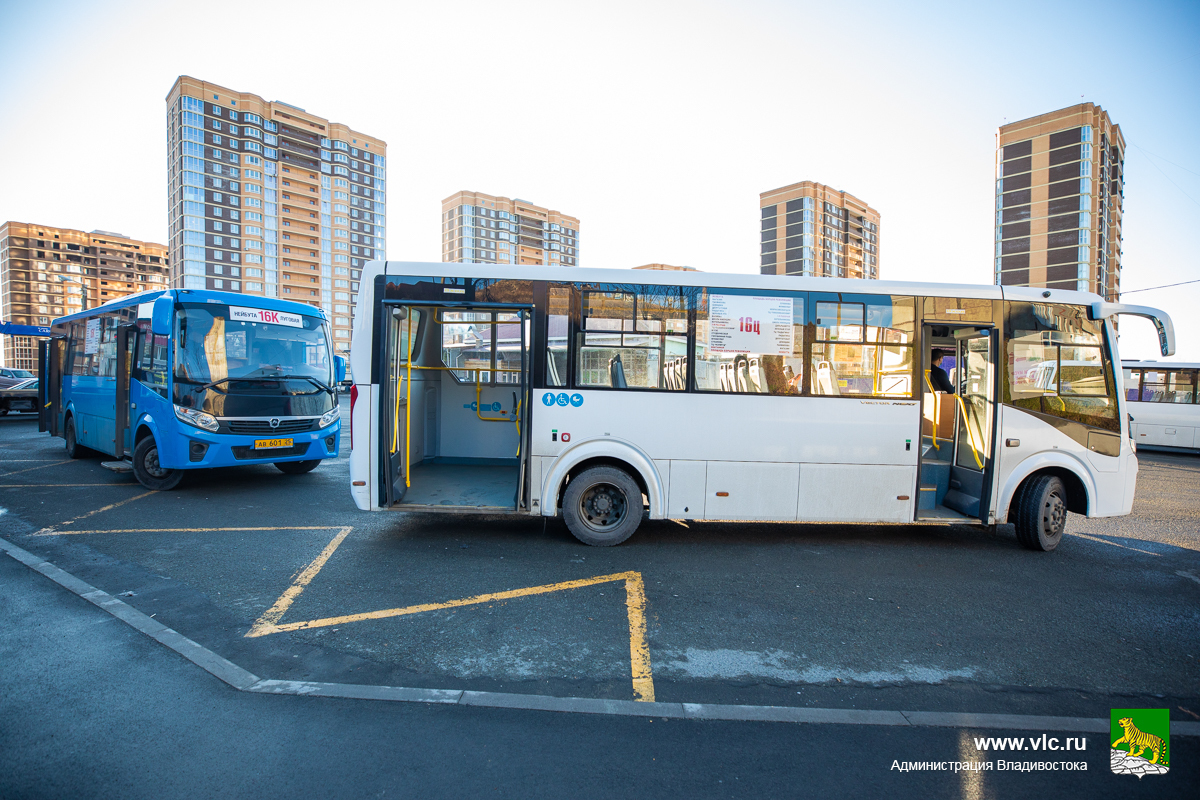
[(455, 410), (51, 353), (958, 429), (126, 343)]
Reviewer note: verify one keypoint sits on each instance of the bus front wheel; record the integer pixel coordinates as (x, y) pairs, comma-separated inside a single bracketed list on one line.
[(74, 448), (297, 467), (149, 472), (602, 506), (1041, 514)]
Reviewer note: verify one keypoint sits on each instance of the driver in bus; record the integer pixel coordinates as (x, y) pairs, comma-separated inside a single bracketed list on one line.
[(938, 376)]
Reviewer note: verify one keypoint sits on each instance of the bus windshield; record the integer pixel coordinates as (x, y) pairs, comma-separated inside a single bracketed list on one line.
[(217, 343)]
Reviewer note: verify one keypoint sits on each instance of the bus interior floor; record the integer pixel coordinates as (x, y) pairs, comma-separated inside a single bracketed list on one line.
[(462, 485)]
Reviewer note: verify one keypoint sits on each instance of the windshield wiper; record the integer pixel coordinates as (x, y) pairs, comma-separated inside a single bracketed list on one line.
[(308, 378)]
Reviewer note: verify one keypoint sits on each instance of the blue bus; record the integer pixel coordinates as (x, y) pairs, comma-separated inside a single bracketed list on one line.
[(182, 379)]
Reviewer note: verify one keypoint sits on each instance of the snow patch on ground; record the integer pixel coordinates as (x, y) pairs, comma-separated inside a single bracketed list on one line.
[(780, 665)]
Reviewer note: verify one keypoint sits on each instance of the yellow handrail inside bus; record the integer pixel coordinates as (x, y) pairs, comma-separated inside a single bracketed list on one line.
[(937, 411), (970, 436)]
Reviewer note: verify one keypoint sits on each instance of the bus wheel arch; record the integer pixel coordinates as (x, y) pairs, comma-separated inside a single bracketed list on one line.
[(589, 455), (1039, 506)]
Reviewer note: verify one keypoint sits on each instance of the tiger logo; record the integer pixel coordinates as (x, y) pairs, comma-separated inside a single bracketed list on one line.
[(1140, 741)]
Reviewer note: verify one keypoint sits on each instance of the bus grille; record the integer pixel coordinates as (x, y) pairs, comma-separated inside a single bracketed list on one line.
[(258, 427), (246, 452)]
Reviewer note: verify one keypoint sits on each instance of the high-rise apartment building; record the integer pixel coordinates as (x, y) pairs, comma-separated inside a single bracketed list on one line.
[(814, 230), (1060, 192), (267, 199), (498, 230), (48, 272)]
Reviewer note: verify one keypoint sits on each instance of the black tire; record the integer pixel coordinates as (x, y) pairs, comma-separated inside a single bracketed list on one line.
[(1041, 514), (602, 506), (74, 448), (147, 470), (4, 412), (297, 467)]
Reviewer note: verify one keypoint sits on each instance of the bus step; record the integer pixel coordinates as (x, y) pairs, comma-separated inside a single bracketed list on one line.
[(117, 466)]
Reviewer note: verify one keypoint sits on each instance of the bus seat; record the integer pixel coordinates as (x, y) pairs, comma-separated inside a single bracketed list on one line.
[(725, 385), (616, 372), (551, 369), (741, 372), (681, 373), (759, 376), (826, 379)]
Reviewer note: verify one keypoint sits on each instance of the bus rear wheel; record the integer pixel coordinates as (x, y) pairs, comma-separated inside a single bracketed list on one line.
[(297, 467), (602, 506), (1041, 514), (149, 472)]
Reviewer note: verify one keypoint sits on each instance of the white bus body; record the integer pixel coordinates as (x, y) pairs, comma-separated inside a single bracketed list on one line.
[(626, 387), (1161, 397)]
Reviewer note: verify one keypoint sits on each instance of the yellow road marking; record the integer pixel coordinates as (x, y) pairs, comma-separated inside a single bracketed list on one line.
[(58, 485), (635, 604), (266, 623), (31, 469), (51, 531), (207, 530)]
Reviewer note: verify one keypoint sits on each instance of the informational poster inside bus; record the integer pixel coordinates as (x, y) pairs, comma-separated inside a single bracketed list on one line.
[(241, 314), (740, 323), (91, 339)]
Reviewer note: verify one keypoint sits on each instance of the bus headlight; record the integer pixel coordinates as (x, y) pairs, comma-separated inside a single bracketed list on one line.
[(198, 418), (330, 417)]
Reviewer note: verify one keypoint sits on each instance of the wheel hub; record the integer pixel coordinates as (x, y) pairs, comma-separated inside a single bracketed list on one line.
[(151, 463), (1055, 515), (602, 506)]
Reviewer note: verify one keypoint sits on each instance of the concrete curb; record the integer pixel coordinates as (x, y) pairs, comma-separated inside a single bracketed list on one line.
[(243, 680)]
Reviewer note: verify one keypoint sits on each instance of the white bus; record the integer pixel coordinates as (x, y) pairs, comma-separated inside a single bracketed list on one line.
[(604, 395), (1161, 398)]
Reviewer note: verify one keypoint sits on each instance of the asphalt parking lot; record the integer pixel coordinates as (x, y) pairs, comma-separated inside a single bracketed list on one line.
[(283, 576)]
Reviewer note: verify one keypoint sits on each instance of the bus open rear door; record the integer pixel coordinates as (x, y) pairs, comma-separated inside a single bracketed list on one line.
[(50, 362)]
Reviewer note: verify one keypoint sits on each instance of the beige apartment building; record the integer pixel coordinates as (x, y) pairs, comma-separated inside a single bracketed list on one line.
[(1060, 195), (48, 272), (488, 229), (267, 199), (814, 230)]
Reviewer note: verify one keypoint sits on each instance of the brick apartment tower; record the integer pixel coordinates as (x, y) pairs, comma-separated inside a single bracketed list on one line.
[(499, 230), (48, 272), (267, 199), (811, 229), (1060, 195)]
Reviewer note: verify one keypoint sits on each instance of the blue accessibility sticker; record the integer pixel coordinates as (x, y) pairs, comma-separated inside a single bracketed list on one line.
[(577, 399), (562, 399), (548, 399), (495, 406)]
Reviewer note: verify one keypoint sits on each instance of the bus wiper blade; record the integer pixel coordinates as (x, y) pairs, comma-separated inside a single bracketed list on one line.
[(308, 378)]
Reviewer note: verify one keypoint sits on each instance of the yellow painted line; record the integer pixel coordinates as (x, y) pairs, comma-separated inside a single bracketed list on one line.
[(59, 485), (51, 531), (639, 650), (31, 469), (208, 530), (635, 603), (266, 623)]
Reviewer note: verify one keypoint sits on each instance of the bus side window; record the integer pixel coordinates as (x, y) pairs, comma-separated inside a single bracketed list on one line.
[(750, 343), (863, 345), (1058, 365), (633, 339), (1132, 383), (558, 316)]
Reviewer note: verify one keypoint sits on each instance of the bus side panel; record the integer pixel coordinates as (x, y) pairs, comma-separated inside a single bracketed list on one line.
[(1164, 424), (364, 462), (92, 399)]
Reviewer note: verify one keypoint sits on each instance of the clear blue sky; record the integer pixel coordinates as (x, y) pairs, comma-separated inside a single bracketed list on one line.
[(656, 123)]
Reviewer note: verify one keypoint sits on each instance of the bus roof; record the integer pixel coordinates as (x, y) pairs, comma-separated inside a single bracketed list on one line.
[(727, 280), (197, 296)]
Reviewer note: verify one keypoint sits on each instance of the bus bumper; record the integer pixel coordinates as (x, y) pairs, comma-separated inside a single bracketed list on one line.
[(199, 449)]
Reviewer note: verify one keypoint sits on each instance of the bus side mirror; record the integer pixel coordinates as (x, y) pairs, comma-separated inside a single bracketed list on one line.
[(160, 317), (339, 369)]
